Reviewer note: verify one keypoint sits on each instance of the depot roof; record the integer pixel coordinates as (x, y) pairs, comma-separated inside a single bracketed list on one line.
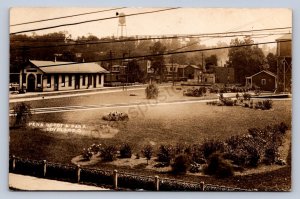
[(67, 67)]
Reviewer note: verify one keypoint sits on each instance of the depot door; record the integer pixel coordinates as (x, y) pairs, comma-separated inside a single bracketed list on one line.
[(31, 83)]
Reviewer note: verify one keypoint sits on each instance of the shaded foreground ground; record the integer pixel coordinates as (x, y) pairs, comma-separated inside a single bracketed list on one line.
[(165, 124)]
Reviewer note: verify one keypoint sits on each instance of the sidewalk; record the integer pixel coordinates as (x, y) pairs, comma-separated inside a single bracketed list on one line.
[(29, 183), (55, 93)]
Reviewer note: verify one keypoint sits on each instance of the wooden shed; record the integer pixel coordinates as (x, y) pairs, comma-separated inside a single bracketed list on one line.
[(264, 79)]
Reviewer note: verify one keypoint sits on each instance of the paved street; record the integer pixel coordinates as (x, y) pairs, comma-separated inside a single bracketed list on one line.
[(29, 183)]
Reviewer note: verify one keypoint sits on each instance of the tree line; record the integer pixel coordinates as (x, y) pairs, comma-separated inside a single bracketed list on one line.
[(245, 60)]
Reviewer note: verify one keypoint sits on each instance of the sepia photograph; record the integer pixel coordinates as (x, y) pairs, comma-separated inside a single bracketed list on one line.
[(150, 99)]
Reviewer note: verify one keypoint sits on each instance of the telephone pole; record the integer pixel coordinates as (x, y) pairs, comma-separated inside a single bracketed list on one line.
[(173, 80), (110, 68)]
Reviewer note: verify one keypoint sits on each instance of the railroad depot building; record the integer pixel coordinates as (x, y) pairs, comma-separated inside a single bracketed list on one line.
[(59, 76), (264, 79)]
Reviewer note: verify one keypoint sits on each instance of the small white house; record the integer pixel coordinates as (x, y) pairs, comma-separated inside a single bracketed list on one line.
[(56, 76)]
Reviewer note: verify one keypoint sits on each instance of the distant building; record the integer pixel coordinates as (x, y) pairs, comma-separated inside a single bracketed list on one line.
[(56, 76), (265, 80), (183, 72), (117, 74), (224, 75)]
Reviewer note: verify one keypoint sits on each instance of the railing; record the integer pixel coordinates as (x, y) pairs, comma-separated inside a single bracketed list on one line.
[(111, 179)]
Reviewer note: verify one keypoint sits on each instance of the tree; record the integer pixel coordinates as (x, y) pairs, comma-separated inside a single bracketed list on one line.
[(135, 74), (158, 62), (246, 60), (22, 113), (147, 152), (272, 62), (211, 61)]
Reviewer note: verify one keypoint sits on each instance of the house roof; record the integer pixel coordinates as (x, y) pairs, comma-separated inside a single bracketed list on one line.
[(285, 37), (265, 71), (67, 67)]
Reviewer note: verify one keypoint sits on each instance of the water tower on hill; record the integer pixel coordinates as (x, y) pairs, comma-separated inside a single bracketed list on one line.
[(121, 24)]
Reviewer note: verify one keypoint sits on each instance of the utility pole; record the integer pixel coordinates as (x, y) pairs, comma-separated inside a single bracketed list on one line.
[(283, 77), (24, 61), (110, 68), (173, 80)]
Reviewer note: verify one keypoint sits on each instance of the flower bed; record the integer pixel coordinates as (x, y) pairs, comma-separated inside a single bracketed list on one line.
[(116, 116)]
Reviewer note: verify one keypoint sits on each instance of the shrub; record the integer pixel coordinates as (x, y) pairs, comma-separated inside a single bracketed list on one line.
[(210, 147), (264, 105), (152, 91), (270, 155), (251, 104), (147, 152), (116, 116), (125, 151), (181, 164), (238, 157), (253, 157), (218, 167), (246, 96), (108, 153), (233, 141), (22, 113), (227, 101), (165, 153), (267, 104), (282, 127), (195, 168), (87, 154), (195, 92)]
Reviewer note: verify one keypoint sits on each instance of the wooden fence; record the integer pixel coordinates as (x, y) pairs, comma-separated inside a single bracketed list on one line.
[(112, 179)]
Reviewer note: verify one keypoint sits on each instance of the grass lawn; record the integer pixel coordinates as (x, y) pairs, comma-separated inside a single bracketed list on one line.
[(155, 124)]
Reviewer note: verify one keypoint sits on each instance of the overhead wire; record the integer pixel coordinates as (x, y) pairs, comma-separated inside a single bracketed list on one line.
[(68, 16), (92, 20)]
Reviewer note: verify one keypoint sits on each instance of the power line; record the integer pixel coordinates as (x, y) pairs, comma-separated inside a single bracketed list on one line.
[(170, 53), (50, 19), (215, 35), (93, 20)]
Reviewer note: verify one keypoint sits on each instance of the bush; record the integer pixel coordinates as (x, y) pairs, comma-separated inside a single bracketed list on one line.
[(165, 153), (253, 157), (22, 113), (218, 167), (108, 153), (264, 105), (181, 164), (227, 101), (147, 152), (270, 156), (87, 154), (233, 141), (195, 92), (246, 96), (210, 147), (267, 104), (282, 127), (125, 151), (115, 116), (152, 91)]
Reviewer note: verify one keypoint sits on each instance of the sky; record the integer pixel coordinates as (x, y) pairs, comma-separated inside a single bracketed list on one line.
[(172, 22)]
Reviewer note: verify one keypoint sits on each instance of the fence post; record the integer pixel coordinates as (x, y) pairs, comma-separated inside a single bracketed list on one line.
[(44, 168), (78, 172), (13, 162), (115, 179), (202, 186), (156, 181)]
